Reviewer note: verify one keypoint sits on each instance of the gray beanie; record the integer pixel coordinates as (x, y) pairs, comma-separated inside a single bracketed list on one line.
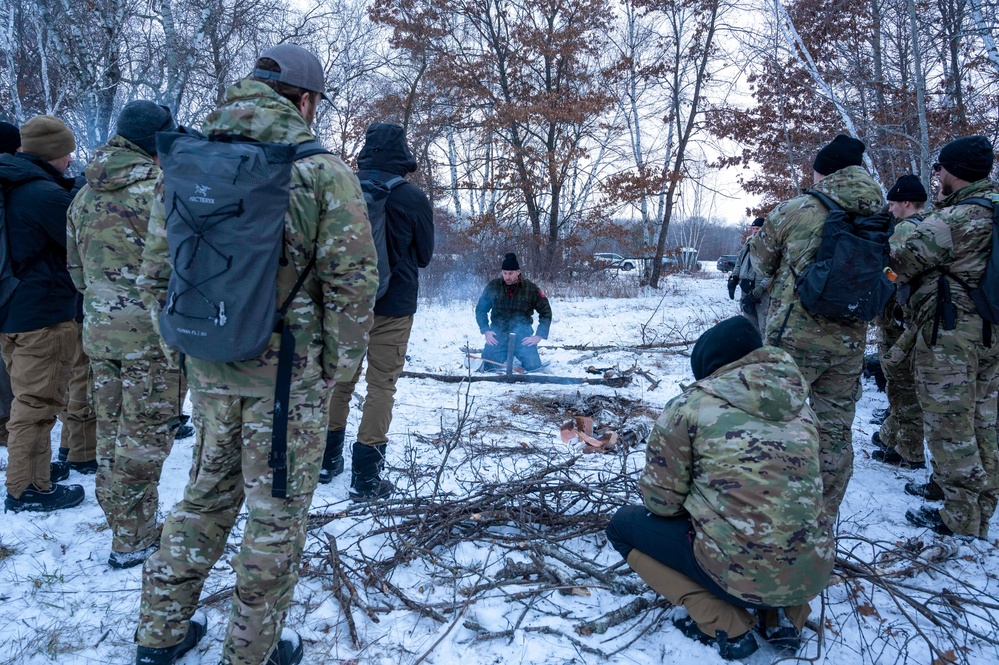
[(140, 120)]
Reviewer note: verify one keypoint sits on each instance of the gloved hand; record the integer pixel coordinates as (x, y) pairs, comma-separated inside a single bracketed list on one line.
[(749, 302), (733, 281)]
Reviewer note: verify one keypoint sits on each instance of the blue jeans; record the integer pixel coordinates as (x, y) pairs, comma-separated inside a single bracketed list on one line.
[(527, 355)]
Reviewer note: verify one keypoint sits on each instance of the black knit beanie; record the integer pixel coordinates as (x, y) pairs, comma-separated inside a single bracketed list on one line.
[(758, 221), (908, 188), (722, 344), (140, 120), (970, 158), (10, 138), (510, 262), (843, 151)]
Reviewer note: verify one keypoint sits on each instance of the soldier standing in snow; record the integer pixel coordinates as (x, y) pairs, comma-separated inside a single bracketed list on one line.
[(732, 520), (900, 439), (829, 352), (134, 388), (955, 352), (507, 305), (234, 402)]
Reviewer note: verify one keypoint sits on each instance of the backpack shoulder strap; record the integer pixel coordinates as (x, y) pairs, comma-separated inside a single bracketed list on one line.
[(310, 148), (825, 200), (392, 183), (985, 203)]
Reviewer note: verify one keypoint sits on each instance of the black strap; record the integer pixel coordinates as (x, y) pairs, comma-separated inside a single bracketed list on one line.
[(278, 460), (783, 325)]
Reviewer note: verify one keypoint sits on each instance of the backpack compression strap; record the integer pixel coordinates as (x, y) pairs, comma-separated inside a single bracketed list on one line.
[(278, 460)]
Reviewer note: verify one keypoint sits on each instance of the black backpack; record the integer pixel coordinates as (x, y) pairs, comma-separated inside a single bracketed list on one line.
[(376, 192), (986, 295), (226, 199), (847, 280)]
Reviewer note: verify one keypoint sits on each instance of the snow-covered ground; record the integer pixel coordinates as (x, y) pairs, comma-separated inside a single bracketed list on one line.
[(512, 593)]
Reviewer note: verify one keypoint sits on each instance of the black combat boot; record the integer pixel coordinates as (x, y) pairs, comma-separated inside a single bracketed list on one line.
[(367, 462), (878, 416), (288, 650), (891, 457), (930, 491), (84, 468), (333, 456), (785, 636), (58, 471), (36, 501), (170, 655), (928, 518), (728, 648)]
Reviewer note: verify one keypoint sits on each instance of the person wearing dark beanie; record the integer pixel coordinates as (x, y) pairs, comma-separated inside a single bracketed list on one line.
[(732, 498), (828, 350), (140, 120), (908, 188), (841, 152), (506, 307), (10, 138), (726, 342), (942, 262)]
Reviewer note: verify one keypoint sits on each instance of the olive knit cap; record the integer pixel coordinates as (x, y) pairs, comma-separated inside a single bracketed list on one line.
[(47, 138)]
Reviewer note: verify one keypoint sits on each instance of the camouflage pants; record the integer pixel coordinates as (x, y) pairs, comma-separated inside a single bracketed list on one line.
[(834, 388), (134, 401), (903, 428), (957, 385), (386, 356), (230, 466)]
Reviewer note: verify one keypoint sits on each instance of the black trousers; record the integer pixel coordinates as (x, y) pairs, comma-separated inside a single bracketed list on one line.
[(668, 540)]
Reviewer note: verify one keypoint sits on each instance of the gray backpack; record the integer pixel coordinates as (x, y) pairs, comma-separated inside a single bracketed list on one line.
[(226, 198)]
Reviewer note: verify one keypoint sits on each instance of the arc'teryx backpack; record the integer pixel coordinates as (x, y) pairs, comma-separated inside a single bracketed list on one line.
[(986, 294), (226, 199), (846, 280), (376, 192)]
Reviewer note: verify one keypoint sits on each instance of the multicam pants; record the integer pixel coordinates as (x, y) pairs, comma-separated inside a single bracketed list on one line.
[(135, 401), (903, 428), (230, 466), (834, 388), (957, 385)]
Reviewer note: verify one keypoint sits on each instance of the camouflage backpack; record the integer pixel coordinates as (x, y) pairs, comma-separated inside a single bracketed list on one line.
[(986, 294), (847, 280)]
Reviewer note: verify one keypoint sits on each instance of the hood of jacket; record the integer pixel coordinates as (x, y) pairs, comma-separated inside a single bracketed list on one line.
[(118, 164), (252, 109), (853, 189), (385, 149), (20, 168), (764, 383)]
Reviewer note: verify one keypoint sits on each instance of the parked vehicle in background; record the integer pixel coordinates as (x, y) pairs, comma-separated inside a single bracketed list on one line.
[(726, 262), (607, 260)]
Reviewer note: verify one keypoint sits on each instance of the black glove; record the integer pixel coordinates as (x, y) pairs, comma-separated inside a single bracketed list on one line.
[(733, 281), (749, 303)]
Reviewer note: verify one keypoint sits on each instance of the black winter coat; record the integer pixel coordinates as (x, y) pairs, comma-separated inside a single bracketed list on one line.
[(409, 217), (37, 197)]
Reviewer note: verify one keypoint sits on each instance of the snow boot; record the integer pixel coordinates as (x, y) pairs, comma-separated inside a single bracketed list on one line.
[(169, 655), (288, 650), (58, 471), (84, 468), (36, 501), (365, 484), (122, 560), (928, 518), (333, 456), (783, 635), (891, 457), (929, 491), (876, 440), (185, 431), (729, 649), (878, 416)]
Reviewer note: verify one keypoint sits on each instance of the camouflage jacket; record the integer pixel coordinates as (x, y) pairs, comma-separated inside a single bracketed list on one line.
[(956, 237), (105, 236), (739, 452), (898, 308), (789, 241), (508, 307), (331, 315)]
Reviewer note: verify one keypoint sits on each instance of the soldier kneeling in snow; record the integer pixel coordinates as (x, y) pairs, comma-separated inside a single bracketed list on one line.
[(733, 498)]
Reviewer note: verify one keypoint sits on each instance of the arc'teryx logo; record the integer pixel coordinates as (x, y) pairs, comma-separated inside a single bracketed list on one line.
[(201, 194)]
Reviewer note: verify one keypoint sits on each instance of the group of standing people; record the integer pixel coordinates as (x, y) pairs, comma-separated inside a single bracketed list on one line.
[(110, 244), (746, 469)]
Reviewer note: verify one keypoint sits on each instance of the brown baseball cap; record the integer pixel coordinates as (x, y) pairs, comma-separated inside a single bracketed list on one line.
[(299, 67)]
